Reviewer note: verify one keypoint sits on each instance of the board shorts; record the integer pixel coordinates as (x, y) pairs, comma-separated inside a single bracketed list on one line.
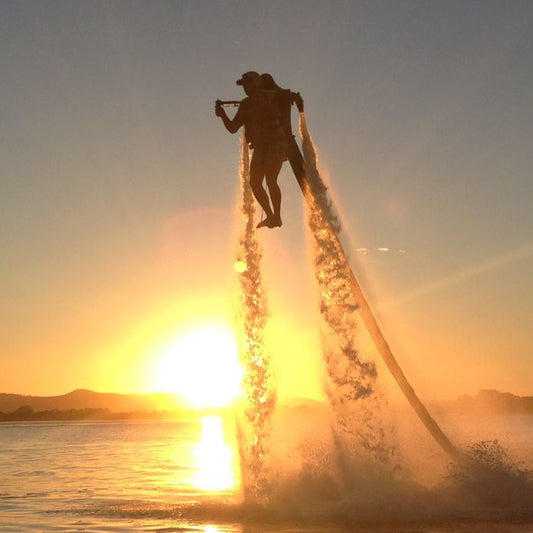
[(276, 149)]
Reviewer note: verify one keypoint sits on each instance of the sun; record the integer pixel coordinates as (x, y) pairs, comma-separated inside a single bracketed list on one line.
[(202, 366)]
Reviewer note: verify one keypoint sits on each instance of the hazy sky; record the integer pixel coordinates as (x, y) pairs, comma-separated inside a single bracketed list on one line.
[(119, 185)]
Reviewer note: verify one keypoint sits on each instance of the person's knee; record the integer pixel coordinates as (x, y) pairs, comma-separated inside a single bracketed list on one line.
[(256, 183), (272, 182), (256, 174)]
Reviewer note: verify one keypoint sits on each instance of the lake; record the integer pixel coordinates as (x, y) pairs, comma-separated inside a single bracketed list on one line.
[(185, 476)]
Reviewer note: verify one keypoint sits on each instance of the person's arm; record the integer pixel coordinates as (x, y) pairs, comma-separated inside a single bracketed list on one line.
[(238, 120)]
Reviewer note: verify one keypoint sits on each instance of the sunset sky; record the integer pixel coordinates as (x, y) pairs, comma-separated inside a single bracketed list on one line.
[(119, 186)]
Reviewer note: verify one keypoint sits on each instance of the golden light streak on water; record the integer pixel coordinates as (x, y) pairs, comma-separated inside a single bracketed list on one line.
[(215, 462)]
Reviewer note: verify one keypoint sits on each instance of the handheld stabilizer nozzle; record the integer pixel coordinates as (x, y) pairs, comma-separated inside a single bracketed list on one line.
[(230, 103), (219, 104)]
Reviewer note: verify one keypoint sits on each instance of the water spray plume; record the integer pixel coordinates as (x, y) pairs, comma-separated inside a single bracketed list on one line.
[(259, 395), (355, 399), (351, 380), (328, 227)]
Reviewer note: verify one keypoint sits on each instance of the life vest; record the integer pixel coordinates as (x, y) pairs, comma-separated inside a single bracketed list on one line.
[(264, 119)]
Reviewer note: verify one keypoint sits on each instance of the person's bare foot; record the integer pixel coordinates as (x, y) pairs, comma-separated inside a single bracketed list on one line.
[(275, 222), (265, 223)]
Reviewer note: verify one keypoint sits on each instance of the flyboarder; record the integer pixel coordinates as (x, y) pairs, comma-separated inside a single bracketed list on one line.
[(286, 99), (265, 115)]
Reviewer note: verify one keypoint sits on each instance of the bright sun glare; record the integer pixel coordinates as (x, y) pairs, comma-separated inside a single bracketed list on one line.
[(202, 366)]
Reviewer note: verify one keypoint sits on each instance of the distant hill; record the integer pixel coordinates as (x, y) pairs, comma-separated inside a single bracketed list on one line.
[(98, 404), (494, 401), (95, 403), (86, 399)]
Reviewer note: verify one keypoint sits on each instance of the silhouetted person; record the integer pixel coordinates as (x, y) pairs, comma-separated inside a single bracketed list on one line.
[(286, 98), (264, 117)]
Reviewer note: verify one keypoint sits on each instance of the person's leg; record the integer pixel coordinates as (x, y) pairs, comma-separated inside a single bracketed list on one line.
[(272, 174), (277, 155), (257, 174)]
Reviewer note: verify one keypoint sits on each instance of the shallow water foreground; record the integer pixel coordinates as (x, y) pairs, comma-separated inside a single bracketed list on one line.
[(176, 476)]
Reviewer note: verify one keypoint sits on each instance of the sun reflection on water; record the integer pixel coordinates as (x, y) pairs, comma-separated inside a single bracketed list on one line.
[(215, 463)]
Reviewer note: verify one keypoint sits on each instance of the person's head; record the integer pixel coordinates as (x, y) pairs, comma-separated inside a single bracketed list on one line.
[(250, 82), (268, 83)]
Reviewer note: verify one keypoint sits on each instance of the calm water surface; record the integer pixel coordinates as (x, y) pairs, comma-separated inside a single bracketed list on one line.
[(163, 476), (50, 470)]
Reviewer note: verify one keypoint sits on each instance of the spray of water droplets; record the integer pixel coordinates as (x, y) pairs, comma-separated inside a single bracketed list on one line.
[(259, 394), (351, 379)]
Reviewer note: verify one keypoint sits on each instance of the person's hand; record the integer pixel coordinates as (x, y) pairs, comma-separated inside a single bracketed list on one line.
[(219, 111), (299, 101)]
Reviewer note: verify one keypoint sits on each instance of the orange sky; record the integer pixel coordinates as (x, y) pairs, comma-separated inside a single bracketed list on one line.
[(119, 185), (111, 341)]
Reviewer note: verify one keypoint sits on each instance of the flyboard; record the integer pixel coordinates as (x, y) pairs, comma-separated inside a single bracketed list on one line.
[(299, 166)]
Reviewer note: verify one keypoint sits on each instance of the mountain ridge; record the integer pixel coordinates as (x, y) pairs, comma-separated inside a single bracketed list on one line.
[(87, 399), (484, 401)]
